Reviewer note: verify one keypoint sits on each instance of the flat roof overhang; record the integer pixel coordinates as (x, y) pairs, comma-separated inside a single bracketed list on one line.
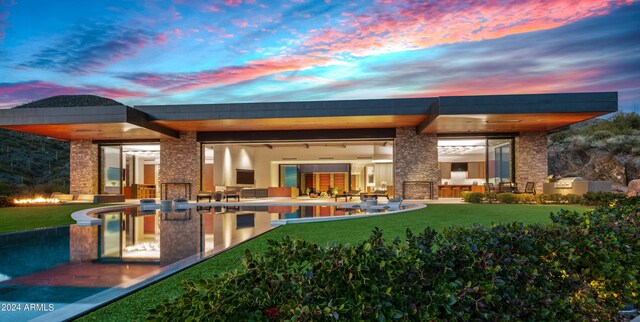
[(515, 113), (293, 116), (84, 123)]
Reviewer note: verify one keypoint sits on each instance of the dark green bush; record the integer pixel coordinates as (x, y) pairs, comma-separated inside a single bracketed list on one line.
[(6, 201), (601, 199), (581, 267), (472, 197), (491, 197), (572, 199), (507, 197)]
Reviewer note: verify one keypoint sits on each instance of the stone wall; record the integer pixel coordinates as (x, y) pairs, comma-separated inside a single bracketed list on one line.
[(415, 158), (531, 159), (180, 162), (83, 243), (179, 239), (83, 167)]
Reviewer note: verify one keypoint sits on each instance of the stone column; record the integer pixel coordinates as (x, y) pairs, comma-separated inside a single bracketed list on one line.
[(179, 239), (83, 167), (415, 158), (180, 162), (531, 159)]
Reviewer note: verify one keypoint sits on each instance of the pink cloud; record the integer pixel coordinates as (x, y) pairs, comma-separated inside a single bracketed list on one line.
[(213, 8), (414, 24), (242, 23), (161, 39), (181, 82), (12, 94), (233, 2), (564, 81)]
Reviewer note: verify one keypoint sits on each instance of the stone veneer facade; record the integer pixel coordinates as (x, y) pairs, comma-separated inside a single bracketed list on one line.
[(83, 167), (531, 159), (180, 162), (415, 158)]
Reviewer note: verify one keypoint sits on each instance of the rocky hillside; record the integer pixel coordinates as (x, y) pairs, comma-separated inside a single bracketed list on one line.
[(36, 163), (599, 149)]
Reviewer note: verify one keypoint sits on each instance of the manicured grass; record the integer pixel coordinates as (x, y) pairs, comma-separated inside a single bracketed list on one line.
[(135, 306), (32, 217)]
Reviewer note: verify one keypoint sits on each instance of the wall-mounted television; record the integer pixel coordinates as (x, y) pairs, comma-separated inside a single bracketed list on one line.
[(459, 166), (245, 176)]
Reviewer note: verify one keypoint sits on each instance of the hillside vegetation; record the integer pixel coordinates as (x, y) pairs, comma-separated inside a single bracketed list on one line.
[(599, 149), (36, 164)]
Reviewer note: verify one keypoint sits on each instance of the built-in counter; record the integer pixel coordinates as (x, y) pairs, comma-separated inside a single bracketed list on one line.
[(289, 192), (455, 190)]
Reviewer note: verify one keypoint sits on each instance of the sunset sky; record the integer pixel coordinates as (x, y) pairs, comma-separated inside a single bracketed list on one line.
[(192, 51)]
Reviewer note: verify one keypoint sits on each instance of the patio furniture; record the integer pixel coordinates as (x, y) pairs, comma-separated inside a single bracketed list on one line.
[(374, 195), (346, 195), (489, 187), (393, 204), (507, 186), (204, 195), (232, 195), (180, 204), (529, 188)]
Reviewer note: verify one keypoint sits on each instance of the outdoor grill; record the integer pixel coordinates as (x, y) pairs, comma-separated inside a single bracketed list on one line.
[(575, 185), (567, 183)]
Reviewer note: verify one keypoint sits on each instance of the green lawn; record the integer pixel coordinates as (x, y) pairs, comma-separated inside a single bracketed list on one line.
[(135, 306), (32, 217)]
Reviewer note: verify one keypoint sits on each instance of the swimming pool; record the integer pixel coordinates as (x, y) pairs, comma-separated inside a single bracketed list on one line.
[(65, 271)]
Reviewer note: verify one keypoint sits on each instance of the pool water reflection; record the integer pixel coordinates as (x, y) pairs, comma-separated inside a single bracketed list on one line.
[(66, 265)]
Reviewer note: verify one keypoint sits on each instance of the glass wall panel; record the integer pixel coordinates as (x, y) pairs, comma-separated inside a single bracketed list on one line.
[(499, 153), (111, 169), (111, 237)]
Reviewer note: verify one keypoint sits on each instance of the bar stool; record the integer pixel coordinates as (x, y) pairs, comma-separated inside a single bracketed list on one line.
[(445, 192), (456, 192)]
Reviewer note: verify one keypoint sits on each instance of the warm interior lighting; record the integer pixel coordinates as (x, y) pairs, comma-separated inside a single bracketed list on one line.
[(37, 200)]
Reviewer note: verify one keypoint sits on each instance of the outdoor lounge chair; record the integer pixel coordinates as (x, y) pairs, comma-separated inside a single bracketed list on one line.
[(507, 187), (393, 204), (180, 204), (489, 187), (529, 188), (204, 195), (148, 205), (346, 195)]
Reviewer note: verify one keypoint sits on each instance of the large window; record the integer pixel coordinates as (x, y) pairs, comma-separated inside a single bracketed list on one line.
[(111, 169), (499, 153), (130, 169), (470, 162)]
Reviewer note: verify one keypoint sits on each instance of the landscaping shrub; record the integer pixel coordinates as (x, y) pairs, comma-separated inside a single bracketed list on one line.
[(491, 197), (602, 199), (572, 199), (581, 267), (507, 197), (472, 197), (6, 201), (526, 198)]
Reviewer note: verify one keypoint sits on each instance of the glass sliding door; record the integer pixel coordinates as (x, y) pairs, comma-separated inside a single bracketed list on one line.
[(500, 163), (111, 169)]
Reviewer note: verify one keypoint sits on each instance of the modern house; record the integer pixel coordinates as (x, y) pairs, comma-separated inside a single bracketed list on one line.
[(412, 147)]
